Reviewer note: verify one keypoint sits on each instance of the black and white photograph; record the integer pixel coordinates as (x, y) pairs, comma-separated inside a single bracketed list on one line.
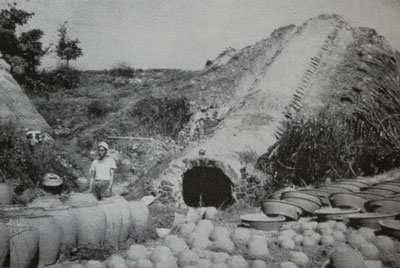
[(199, 133)]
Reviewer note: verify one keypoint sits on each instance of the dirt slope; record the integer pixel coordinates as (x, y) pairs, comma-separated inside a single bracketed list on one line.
[(15, 106)]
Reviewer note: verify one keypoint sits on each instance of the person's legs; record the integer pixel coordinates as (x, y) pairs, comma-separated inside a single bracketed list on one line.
[(101, 189), (95, 190)]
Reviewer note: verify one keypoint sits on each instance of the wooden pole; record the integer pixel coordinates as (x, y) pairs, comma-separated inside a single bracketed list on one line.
[(129, 138)]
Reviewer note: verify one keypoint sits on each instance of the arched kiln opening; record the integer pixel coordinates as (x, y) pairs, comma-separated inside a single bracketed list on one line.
[(206, 186)]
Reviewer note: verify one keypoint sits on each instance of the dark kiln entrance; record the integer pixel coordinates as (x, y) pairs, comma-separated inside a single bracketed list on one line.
[(207, 186)]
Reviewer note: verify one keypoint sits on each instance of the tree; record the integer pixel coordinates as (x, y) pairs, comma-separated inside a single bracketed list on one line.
[(22, 52), (67, 49)]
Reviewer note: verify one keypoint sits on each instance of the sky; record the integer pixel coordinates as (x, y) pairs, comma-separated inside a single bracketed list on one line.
[(185, 33)]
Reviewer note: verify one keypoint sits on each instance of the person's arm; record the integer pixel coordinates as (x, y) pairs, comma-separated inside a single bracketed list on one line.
[(111, 179), (92, 176), (113, 166)]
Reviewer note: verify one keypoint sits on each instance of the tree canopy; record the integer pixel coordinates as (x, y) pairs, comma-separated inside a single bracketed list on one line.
[(67, 49), (24, 51)]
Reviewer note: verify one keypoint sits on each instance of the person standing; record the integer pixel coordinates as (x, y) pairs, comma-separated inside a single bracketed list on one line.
[(102, 172)]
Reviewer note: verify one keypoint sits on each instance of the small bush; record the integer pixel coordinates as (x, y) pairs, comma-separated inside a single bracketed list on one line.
[(35, 86), (161, 116), (123, 70), (62, 77), (15, 155), (98, 108), (25, 164)]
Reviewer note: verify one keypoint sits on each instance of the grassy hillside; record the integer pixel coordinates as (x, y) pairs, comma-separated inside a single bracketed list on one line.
[(148, 103)]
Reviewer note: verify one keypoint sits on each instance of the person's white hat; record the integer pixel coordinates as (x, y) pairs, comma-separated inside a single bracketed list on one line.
[(104, 145)]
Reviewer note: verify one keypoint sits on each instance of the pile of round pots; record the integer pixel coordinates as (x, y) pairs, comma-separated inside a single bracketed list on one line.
[(363, 201), (37, 234)]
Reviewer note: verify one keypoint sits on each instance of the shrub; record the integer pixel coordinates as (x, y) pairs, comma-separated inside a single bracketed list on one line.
[(98, 108), (328, 145), (15, 156), (62, 77), (26, 165), (122, 69), (161, 116)]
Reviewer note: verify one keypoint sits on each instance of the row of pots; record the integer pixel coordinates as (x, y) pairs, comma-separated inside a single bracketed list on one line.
[(381, 198), (353, 194), (30, 233)]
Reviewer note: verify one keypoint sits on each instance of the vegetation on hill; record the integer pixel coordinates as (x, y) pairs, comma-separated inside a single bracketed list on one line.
[(356, 136), (22, 51), (25, 165)]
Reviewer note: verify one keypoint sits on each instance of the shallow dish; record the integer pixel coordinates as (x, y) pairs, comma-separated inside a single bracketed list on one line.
[(382, 191), (370, 220), (321, 194), (281, 208), (395, 187), (303, 195), (307, 205), (348, 200), (328, 213), (390, 227), (335, 189), (383, 206), (262, 222)]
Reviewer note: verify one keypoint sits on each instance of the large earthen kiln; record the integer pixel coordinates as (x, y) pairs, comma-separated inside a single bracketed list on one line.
[(271, 93)]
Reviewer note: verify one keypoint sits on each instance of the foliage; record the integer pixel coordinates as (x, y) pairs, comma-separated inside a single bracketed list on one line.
[(334, 146), (162, 116), (26, 165), (15, 156), (122, 69), (22, 52), (62, 77), (98, 108), (67, 49), (46, 82), (253, 186), (381, 110)]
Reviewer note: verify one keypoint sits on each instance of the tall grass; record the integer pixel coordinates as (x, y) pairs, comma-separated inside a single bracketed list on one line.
[(310, 150)]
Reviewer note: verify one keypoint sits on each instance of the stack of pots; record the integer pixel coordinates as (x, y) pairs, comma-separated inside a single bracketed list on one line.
[(377, 198), (360, 194), (292, 204), (387, 197), (307, 202)]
